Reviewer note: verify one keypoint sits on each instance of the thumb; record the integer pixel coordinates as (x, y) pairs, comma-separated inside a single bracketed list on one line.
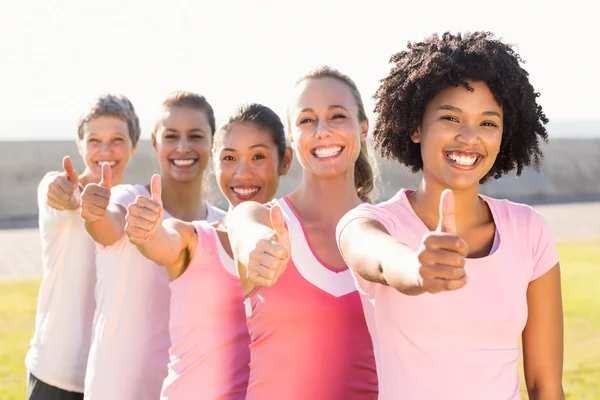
[(106, 176), (156, 189), (278, 223), (70, 171), (447, 212)]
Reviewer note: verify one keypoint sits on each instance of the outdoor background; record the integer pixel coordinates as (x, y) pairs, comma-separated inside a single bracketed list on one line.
[(55, 57)]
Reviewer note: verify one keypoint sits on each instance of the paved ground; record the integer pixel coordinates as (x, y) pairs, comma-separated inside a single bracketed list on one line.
[(20, 253)]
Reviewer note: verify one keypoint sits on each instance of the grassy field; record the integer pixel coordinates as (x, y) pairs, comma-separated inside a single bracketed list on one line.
[(581, 291)]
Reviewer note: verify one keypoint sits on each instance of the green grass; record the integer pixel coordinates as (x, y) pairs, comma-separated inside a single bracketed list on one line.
[(581, 293)]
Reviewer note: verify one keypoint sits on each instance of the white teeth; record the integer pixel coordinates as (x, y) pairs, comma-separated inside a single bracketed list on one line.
[(325, 152), (244, 191), (111, 163), (184, 163), (462, 160)]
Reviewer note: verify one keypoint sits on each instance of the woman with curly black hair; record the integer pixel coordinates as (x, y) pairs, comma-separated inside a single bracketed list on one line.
[(461, 109)]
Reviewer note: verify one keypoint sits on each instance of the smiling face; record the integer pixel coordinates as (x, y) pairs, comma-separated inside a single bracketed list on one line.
[(106, 139), (325, 130), (460, 136), (182, 143), (247, 165)]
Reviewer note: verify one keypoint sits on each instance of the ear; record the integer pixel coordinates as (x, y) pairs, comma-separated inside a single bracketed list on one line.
[(364, 129), (416, 135), (286, 163), (154, 141), (80, 147)]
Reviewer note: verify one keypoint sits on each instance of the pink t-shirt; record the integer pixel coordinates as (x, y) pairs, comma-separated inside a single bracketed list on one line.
[(130, 345), (462, 344), (308, 331), (209, 352)]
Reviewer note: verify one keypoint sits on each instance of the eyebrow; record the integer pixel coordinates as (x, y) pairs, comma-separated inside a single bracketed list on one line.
[(194, 130), (448, 107), (332, 107), (254, 146)]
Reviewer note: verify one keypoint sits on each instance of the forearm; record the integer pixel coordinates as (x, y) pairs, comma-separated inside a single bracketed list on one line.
[(164, 248), (108, 230), (400, 268), (372, 253), (554, 392)]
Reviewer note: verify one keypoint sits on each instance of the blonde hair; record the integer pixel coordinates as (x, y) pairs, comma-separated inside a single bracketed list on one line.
[(365, 170), (112, 105)]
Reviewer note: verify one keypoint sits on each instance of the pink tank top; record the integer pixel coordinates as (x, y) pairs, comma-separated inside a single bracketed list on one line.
[(308, 331), (209, 353)]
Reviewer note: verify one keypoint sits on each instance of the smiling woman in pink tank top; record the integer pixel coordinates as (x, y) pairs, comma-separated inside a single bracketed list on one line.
[(209, 354), (461, 109), (309, 339)]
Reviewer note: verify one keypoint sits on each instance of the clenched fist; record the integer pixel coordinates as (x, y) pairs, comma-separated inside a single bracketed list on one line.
[(64, 189), (96, 196), (145, 215), (442, 253)]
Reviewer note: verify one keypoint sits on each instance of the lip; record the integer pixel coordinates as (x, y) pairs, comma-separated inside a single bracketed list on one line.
[(480, 156), (100, 163), (329, 146), (194, 161), (242, 196)]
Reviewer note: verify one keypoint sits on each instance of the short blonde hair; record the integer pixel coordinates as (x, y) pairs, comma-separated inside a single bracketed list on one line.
[(112, 105)]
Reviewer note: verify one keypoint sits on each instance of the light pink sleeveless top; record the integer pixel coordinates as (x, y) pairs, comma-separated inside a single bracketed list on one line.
[(209, 354), (308, 331)]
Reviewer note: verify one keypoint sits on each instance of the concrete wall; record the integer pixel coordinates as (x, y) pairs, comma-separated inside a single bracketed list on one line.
[(570, 173)]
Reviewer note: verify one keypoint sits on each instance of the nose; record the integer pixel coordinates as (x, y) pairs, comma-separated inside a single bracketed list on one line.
[(105, 147), (468, 135), (182, 145), (243, 171), (322, 130)]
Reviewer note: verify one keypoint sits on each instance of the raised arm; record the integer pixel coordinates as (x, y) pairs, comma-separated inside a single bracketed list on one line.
[(438, 265), (260, 244), (167, 243), (543, 338), (104, 222)]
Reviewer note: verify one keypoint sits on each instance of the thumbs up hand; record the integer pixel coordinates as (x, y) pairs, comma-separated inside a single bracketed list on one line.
[(442, 253), (63, 190), (144, 216), (95, 197), (269, 259)]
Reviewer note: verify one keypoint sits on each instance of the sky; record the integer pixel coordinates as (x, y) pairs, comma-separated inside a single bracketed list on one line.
[(56, 57)]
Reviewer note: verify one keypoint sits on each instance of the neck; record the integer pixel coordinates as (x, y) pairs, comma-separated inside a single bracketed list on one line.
[(184, 200), (325, 199), (468, 206)]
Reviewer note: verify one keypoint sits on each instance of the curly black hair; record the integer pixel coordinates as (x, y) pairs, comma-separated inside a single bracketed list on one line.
[(428, 67)]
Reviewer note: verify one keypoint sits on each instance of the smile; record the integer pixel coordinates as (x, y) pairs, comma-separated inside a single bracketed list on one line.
[(463, 159), (245, 191), (327, 152), (187, 162)]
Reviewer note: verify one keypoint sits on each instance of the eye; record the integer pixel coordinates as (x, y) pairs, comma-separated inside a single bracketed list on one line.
[(338, 116), (259, 157), (170, 136), (118, 139), (92, 140), (306, 120), (197, 137), (489, 124), (228, 158), (450, 118)]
